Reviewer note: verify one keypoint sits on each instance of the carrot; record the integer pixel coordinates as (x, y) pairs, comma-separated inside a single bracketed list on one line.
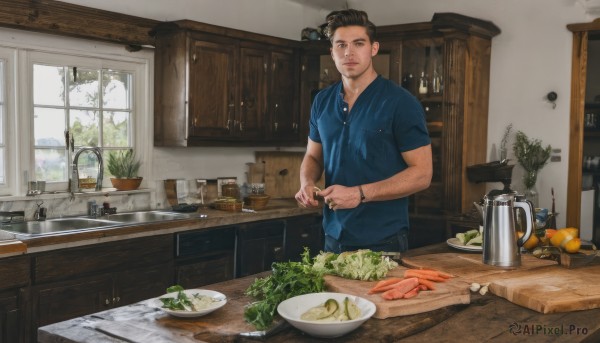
[(385, 288), (427, 283), (401, 288), (428, 276), (431, 272), (412, 293), (423, 288), (383, 283)]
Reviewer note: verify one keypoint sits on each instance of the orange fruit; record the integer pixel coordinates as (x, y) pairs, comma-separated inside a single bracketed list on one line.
[(573, 245), (550, 233), (531, 243), (573, 231), (558, 237)]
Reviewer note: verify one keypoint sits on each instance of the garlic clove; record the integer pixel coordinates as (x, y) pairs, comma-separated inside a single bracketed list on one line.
[(475, 287), (483, 290)]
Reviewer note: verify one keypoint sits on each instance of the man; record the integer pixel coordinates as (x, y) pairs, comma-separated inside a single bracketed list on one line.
[(370, 137)]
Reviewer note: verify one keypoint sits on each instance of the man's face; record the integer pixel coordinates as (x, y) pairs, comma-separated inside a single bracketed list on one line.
[(352, 51)]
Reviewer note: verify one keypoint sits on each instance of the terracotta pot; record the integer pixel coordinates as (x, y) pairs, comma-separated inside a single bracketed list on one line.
[(126, 184)]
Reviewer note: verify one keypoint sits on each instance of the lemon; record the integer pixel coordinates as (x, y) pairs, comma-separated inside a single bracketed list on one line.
[(561, 236), (573, 245), (531, 243)]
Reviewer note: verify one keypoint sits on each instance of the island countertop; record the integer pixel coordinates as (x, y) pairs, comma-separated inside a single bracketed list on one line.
[(488, 318)]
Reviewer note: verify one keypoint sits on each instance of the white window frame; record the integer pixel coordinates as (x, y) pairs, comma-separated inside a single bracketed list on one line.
[(42, 48), (8, 55)]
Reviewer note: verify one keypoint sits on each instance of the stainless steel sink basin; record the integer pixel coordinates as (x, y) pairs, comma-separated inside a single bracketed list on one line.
[(74, 224), (53, 226), (145, 217)]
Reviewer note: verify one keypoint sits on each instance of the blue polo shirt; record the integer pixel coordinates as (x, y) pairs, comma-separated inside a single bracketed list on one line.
[(365, 146)]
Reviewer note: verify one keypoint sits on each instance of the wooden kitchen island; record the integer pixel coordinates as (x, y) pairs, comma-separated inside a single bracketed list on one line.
[(488, 318)]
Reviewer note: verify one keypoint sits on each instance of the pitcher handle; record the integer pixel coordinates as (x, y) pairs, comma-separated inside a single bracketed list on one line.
[(528, 208)]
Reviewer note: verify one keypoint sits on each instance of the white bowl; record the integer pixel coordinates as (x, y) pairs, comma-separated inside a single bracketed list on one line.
[(291, 310), (190, 293)]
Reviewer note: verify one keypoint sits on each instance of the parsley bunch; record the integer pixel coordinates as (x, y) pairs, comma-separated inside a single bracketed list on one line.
[(288, 280)]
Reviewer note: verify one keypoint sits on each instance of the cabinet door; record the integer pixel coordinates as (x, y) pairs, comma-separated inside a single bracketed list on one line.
[(283, 99), (259, 245), (10, 324), (253, 93), (136, 285), (212, 103), (57, 302), (300, 232), (205, 270)]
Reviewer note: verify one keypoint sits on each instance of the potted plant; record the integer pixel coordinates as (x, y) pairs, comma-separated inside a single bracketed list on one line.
[(532, 156), (124, 167)]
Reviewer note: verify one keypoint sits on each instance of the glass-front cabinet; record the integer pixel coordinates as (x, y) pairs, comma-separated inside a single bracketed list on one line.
[(445, 64)]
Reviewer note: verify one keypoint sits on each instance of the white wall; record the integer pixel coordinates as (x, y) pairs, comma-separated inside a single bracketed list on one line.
[(531, 57)]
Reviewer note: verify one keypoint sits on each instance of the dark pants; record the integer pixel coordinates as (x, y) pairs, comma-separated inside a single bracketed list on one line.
[(395, 243)]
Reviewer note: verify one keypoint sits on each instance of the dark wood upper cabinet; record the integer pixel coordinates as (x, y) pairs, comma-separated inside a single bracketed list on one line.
[(223, 87)]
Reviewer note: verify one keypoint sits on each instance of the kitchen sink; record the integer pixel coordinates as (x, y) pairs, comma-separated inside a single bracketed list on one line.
[(53, 226), (74, 224), (145, 217)]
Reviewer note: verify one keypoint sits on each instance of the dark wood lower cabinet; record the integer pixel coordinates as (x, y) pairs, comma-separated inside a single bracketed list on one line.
[(204, 257), (14, 287), (303, 231), (426, 230), (259, 245), (69, 283), (11, 315)]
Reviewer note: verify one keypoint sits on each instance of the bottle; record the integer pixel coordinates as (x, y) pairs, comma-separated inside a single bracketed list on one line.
[(422, 84), (436, 82)]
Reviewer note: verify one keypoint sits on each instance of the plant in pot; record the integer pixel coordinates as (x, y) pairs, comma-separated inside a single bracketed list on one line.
[(124, 167)]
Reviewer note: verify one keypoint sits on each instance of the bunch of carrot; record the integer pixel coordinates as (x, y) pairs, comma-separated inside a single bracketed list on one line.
[(414, 281)]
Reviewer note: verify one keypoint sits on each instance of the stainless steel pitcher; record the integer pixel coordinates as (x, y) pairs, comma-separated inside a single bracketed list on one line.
[(500, 242)]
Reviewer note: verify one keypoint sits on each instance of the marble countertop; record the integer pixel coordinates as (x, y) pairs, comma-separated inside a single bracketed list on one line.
[(277, 208)]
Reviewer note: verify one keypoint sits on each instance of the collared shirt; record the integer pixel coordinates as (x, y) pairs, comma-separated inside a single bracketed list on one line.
[(364, 146)]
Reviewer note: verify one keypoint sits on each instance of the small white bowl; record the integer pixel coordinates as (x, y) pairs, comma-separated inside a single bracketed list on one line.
[(291, 310), (190, 293)]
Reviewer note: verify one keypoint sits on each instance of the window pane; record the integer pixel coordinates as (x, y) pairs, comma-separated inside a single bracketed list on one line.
[(2, 156), (51, 165), (116, 129), (48, 85), (83, 87), (49, 127), (116, 90), (84, 127)]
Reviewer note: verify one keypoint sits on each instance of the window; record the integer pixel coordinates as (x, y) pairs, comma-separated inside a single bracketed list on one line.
[(90, 107), (97, 93), (2, 125)]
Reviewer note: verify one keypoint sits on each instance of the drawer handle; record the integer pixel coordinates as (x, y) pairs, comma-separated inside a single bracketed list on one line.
[(304, 235)]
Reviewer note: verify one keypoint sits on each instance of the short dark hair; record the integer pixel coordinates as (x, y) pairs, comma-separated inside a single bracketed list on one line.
[(349, 17)]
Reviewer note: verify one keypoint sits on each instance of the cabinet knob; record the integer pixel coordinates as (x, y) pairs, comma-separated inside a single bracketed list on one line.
[(107, 301), (241, 126), (194, 58), (276, 125)]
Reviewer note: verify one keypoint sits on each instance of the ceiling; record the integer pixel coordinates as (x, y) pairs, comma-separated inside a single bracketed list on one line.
[(324, 4)]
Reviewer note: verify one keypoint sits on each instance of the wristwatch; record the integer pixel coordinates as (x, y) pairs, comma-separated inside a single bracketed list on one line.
[(362, 194)]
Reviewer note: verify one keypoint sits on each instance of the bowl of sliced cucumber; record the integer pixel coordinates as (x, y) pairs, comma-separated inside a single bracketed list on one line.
[(326, 314)]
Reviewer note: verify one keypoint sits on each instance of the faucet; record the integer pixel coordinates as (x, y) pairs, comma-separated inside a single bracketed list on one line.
[(100, 175)]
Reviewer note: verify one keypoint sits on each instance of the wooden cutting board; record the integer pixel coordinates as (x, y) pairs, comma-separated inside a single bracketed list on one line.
[(447, 293), (282, 172), (540, 285), (551, 289), (469, 266)]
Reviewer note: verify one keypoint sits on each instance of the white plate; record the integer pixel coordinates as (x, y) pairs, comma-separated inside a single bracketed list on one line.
[(190, 293), (456, 243), (291, 310)]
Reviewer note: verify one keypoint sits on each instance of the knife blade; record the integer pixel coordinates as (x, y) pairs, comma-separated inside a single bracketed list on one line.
[(272, 330)]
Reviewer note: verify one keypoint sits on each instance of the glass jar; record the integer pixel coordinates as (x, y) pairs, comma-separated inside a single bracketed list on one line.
[(231, 190)]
